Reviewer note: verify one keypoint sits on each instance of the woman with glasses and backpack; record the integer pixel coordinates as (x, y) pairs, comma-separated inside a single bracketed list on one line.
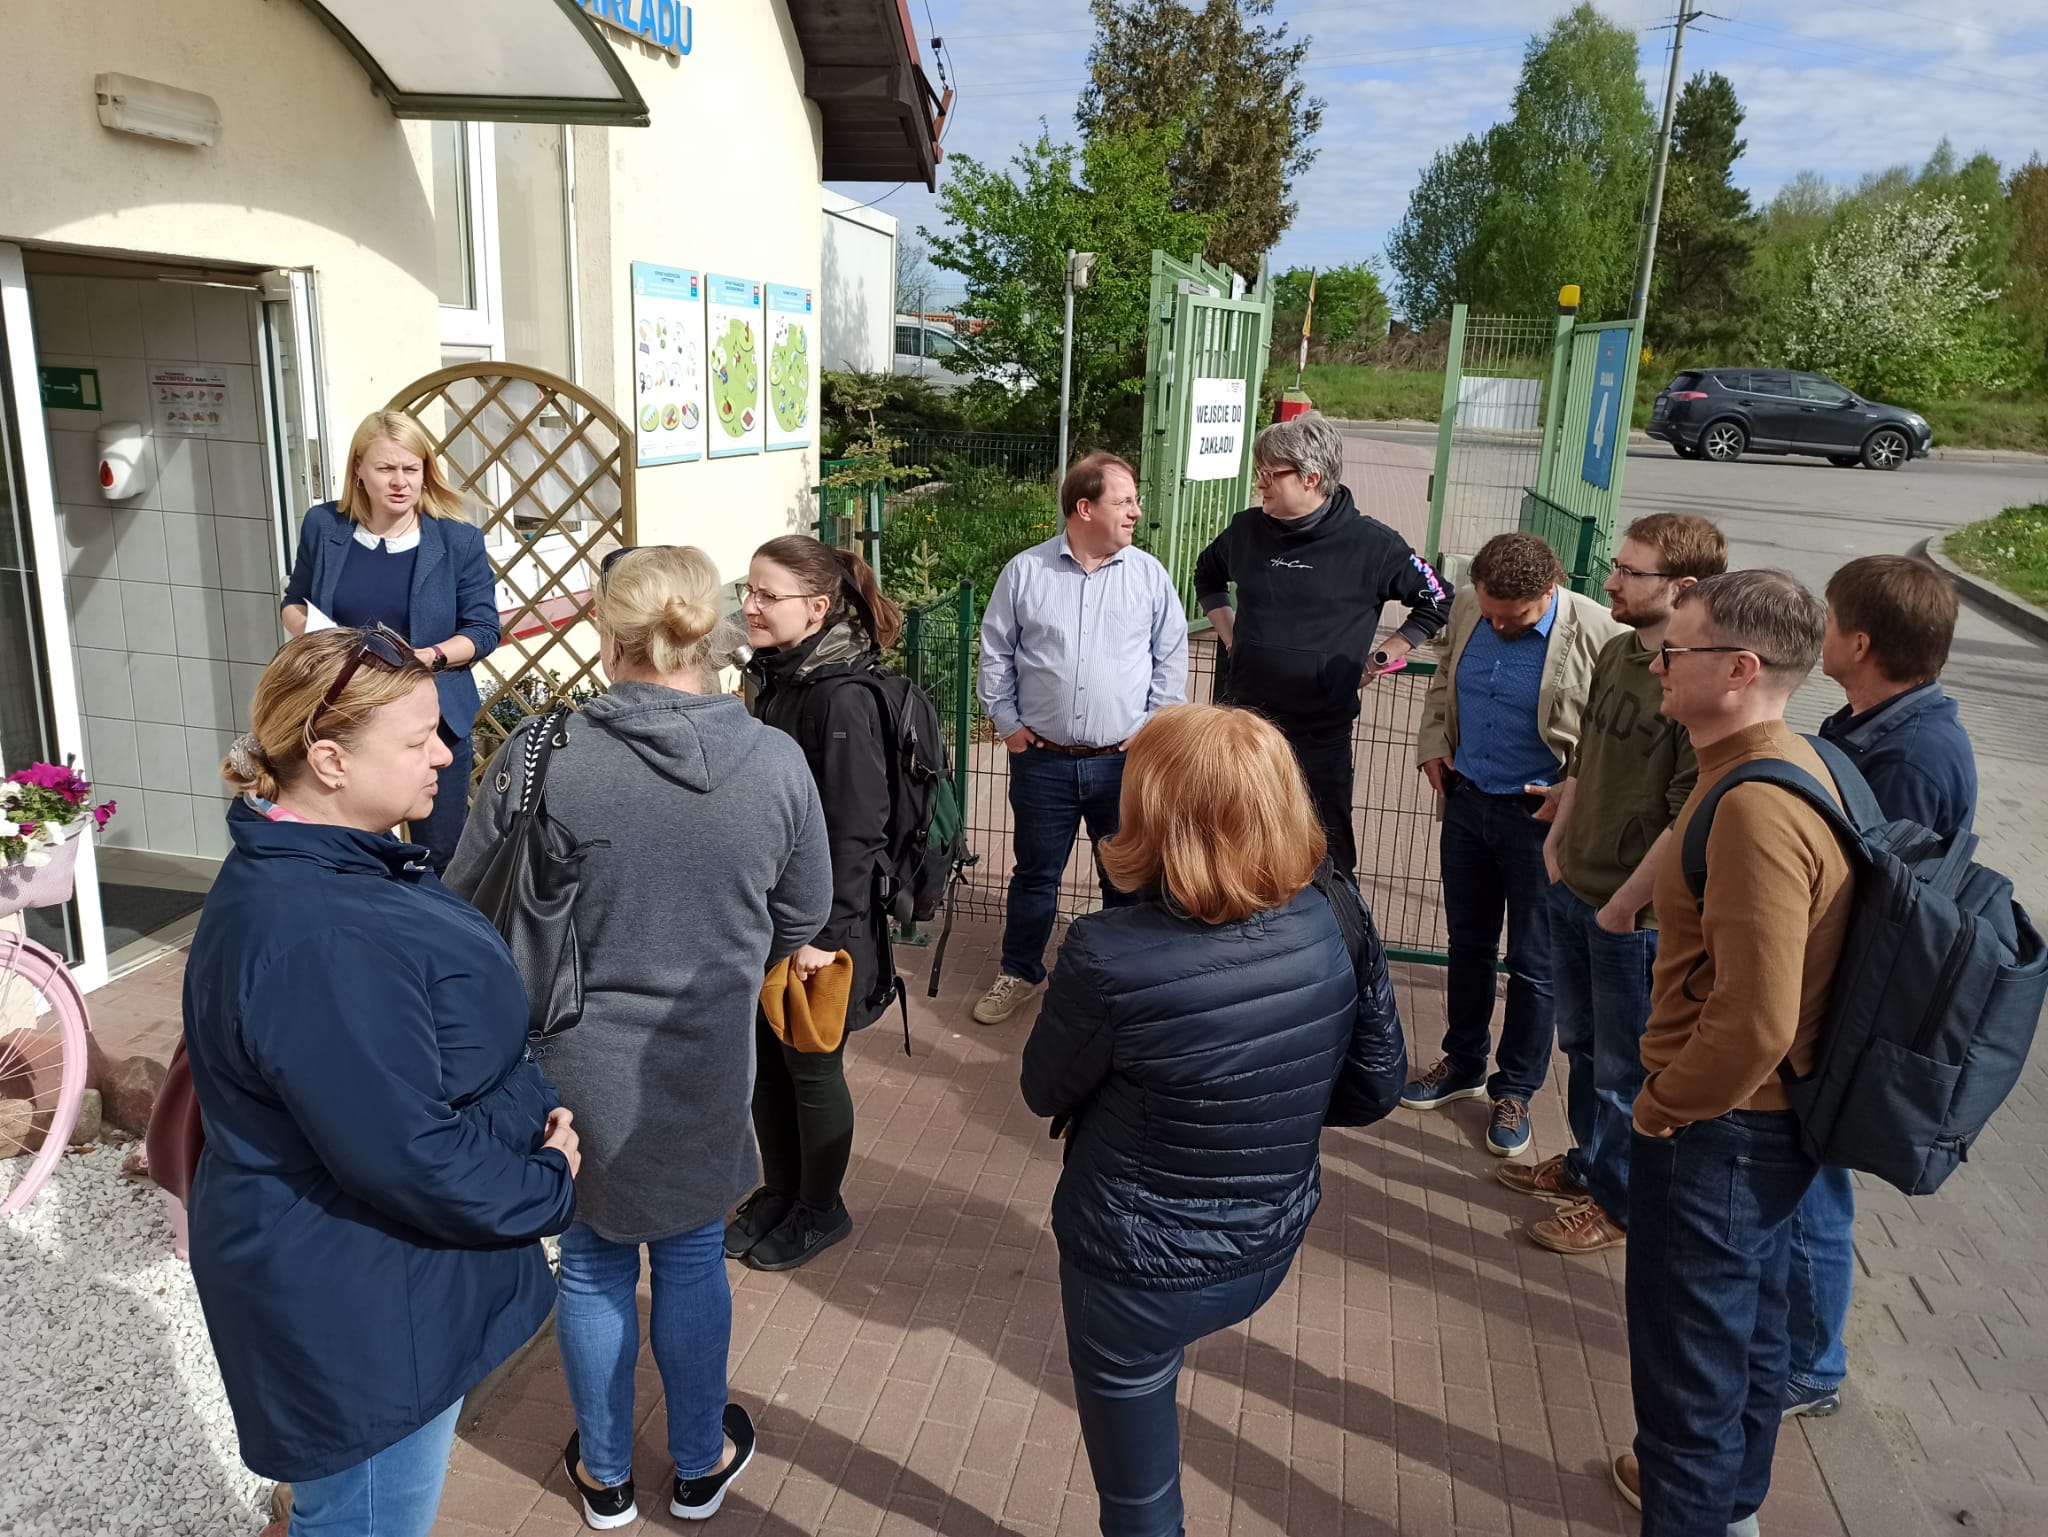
[(818, 621), (380, 1159), (705, 860)]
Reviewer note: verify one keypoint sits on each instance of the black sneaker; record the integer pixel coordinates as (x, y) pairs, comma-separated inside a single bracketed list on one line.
[(697, 1498), (1810, 1403), (801, 1235), (603, 1508), (758, 1216)]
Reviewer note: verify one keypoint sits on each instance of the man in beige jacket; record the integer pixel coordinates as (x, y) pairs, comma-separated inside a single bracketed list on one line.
[(1500, 723)]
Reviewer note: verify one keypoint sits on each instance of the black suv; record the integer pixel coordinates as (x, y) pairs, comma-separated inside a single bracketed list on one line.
[(1721, 413)]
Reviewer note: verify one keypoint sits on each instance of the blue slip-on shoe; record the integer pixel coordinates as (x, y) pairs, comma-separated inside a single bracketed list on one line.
[(1438, 1086)]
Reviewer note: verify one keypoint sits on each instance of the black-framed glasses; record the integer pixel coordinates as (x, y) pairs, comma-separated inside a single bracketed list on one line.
[(1666, 653), (1629, 573), (604, 568), (382, 646)]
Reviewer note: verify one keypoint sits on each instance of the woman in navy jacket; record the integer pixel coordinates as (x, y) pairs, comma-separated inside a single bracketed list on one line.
[(397, 550), (1190, 1043), (381, 1158)]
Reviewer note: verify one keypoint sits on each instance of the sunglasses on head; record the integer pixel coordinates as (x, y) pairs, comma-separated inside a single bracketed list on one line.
[(383, 646), (604, 568)]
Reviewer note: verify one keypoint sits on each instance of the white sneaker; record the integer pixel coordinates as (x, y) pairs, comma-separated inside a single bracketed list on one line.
[(1004, 999)]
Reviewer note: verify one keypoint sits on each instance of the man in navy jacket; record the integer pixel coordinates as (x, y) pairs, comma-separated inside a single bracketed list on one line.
[(1312, 574), (1890, 621)]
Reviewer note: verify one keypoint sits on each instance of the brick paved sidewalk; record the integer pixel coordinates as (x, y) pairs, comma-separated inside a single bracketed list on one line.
[(1421, 1372)]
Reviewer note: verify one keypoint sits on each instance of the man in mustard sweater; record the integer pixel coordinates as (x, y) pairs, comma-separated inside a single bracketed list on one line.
[(1741, 985)]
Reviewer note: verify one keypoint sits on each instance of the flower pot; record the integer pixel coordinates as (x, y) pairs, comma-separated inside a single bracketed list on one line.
[(46, 885)]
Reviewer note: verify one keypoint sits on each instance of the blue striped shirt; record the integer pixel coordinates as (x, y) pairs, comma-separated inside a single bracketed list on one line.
[(1082, 657), (1500, 741)]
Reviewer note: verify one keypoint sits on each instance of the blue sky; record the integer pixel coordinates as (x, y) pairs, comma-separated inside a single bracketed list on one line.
[(1838, 86)]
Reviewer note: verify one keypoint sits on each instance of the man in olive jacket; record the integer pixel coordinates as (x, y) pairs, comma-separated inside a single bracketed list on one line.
[(1502, 719)]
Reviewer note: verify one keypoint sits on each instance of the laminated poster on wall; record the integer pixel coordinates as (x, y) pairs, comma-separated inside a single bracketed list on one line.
[(792, 327), (194, 401), (734, 333), (668, 363)]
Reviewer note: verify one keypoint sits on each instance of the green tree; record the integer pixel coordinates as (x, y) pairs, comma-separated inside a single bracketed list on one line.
[(1232, 88), (1351, 310), (1007, 235), (2026, 296), (1708, 230), (1570, 172), (1434, 250)]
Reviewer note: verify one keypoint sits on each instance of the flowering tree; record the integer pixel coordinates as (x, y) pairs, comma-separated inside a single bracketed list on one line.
[(1890, 301), (36, 805)]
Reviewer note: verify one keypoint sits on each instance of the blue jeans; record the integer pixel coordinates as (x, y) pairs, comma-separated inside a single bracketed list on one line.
[(1493, 868), (598, 1326), (1126, 1345), (1051, 795), (1603, 1001), (1709, 1244), (1822, 1278), (441, 829), (394, 1493)]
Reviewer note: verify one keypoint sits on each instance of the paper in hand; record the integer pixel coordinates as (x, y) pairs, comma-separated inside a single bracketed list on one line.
[(315, 620)]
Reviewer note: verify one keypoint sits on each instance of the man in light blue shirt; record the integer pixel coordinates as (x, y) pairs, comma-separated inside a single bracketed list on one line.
[(1084, 637)]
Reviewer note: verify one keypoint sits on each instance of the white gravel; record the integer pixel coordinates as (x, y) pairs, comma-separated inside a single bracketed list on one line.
[(112, 1416)]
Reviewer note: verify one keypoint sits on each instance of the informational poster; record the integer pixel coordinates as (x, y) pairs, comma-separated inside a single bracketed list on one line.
[(792, 327), (734, 326), (193, 401), (1603, 424), (668, 363), (1216, 429)]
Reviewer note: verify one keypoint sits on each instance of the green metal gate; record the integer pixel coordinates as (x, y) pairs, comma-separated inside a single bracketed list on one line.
[(1201, 329)]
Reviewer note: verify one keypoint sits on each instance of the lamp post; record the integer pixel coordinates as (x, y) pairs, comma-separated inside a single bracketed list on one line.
[(1080, 267)]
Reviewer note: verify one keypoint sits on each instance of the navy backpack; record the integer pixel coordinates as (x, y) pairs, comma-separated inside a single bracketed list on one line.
[(1934, 1000)]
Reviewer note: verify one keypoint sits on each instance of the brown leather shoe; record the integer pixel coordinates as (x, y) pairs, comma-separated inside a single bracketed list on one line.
[(1581, 1229), (1546, 1179), (1628, 1479)]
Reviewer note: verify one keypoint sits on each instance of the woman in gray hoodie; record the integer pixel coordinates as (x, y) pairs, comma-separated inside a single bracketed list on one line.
[(711, 863)]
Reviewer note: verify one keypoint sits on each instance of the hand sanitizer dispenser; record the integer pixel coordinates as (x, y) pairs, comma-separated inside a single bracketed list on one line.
[(121, 461)]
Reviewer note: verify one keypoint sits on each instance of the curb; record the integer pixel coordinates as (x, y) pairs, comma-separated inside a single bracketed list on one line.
[(1990, 597)]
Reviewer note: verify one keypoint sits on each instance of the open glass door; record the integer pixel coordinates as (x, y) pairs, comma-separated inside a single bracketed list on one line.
[(294, 402), (39, 713)]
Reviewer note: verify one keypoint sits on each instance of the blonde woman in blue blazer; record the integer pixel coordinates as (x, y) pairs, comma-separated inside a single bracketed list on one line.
[(398, 550)]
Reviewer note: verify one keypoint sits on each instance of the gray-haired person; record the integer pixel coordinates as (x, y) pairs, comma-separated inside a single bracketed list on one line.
[(1311, 573)]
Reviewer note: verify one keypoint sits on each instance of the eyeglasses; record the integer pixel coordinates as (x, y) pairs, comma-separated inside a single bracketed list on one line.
[(760, 597), (604, 568), (1666, 653), (1630, 573), (1266, 475), (383, 646)]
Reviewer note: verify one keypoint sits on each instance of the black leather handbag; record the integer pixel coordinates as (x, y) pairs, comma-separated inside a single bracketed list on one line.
[(528, 890)]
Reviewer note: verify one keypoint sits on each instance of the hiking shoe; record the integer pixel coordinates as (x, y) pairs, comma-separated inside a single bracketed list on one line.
[(1581, 1229), (1509, 1133), (1437, 1086), (1004, 999), (1627, 1474), (696, 1498), (1814, 1403), (603, 1508), (799, 1236), (758, 1216), (1547, 1179)]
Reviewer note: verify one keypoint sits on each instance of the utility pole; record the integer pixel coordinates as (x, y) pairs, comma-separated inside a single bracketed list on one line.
[(1080, 266), (1686, 15)]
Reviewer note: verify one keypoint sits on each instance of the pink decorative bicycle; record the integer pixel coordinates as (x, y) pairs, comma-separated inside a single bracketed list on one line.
[(43, 1018)]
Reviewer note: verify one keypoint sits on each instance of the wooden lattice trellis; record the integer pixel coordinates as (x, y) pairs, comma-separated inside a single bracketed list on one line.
[(538, 458)]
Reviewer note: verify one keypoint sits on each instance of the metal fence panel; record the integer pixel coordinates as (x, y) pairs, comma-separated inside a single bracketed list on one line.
[(1019, 455), (1491, 436)]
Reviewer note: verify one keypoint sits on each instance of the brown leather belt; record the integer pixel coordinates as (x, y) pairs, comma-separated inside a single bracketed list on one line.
[(1074, 752)]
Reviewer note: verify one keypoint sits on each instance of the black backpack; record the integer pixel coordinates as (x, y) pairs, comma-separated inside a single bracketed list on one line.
[(927, 845), (1934, 1001), (1376, 1062)]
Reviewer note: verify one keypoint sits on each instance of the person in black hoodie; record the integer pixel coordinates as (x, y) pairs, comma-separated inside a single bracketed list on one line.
[(1312, 573), (817, 618)]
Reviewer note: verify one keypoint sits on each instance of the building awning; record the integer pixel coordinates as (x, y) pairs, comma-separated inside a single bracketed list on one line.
[(505, 61), (882, 119)]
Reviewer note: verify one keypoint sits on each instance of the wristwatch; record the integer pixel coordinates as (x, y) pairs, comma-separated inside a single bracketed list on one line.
[(1380, 660), (440, 658)]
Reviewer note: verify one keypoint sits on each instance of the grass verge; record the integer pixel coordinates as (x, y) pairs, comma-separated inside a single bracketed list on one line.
[(2010, 549)]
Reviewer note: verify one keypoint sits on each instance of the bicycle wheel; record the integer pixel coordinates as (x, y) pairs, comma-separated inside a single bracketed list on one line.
[(42, 1063)]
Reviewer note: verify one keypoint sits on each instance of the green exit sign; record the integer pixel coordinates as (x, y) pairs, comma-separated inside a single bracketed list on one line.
[(70, 389)]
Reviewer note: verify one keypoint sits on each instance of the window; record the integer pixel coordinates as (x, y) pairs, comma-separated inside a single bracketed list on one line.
[(937, 344), (907, 338), (1684, 382), (533, 245), (1773, 384), (1823, 392), (454, 260)]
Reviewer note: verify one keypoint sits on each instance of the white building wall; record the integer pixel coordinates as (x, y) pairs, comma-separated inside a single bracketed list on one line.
[(858, 288)]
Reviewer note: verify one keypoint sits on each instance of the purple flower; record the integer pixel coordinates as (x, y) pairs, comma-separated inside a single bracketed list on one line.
[(101, 815)]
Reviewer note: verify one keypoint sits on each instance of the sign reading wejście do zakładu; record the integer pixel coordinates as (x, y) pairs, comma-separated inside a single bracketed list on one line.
[(1215, 428)]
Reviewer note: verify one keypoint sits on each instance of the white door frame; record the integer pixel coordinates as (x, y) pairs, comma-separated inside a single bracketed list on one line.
[(48, 546)]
